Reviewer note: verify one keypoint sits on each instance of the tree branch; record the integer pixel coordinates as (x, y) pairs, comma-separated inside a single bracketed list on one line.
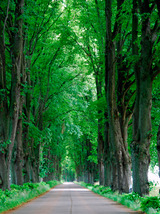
[(155, 74), (5, 21)]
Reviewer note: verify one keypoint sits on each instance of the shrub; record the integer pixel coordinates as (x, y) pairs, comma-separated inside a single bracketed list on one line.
[(52, 183), (107, 190), (150, 202), (132, 196), (20, 194), (131, 200), (14, 186)]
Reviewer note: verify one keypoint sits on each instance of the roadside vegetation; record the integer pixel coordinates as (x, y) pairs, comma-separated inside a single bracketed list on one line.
[(146, 204), (18, 195)]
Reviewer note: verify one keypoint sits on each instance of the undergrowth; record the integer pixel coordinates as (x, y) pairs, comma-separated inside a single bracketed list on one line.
[(148, 205), (21, 194)]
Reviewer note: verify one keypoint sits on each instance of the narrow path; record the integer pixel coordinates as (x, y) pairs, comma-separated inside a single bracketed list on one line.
[(70, 198)]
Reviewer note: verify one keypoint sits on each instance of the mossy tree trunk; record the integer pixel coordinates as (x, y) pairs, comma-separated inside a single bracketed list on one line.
[(142, 112), (11, 112), (118, 149)]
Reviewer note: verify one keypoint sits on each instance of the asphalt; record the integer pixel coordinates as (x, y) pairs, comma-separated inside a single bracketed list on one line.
[(70, 198)]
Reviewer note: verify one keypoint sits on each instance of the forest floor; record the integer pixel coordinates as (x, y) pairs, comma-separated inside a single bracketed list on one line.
[(70, 198)]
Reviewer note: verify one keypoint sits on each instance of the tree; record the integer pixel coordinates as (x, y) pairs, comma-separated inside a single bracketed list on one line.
[(11, 111), (118, 117), (144, 74)]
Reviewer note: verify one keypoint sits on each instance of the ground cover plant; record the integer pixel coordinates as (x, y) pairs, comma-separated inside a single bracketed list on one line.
[(147, 204), (21, 194)]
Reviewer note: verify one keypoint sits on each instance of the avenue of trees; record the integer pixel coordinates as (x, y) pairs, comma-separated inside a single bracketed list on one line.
[(79, 91)]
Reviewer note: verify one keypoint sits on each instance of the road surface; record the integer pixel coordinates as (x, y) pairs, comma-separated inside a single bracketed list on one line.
[(70, 198)]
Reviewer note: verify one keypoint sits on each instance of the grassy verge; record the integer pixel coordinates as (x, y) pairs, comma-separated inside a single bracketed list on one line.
[(18, 195), (148, 205)]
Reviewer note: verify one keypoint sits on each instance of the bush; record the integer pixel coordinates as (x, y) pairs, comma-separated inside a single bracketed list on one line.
[(52, 183), (3, 198), (14, 186), (20, 194), (131, 200), (132, 196), (107, 190), (150, 202), (31, 185)]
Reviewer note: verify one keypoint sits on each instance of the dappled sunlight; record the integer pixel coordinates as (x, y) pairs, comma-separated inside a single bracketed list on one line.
[(153, 176)]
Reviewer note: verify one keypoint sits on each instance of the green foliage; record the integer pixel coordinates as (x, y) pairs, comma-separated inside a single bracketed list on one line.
[(150, 202), (152, 185), (132, 196), (52, 183), (3, 145), (20, 194), (155, 114), (131, 200)]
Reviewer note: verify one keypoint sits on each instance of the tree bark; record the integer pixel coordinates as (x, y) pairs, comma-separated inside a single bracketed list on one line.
[(27, 112), (158, 147), (17, 53), (3, 172), (142, 113), (119, 150), (4, 115), (27, 174), (19, 151), (107, 154), (10, 115), (100, 134)]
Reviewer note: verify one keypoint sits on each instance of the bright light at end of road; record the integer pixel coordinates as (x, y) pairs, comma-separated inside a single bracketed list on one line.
[(68, 183)]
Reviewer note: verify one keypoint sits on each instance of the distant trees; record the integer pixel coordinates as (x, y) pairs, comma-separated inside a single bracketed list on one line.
[(38, 73)]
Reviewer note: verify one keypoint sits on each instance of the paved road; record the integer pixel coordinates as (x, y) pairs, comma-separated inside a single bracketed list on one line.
[(70, 198)]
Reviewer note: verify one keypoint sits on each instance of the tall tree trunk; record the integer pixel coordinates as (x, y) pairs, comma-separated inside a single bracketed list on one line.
[(27, 112), (107, 154), (19, 152), (142, 113), (17, 52), (115, 136), (11, 118), (124, 95), (100, 133), (119, 158), (4, 115), (3, 172), (158, 147), (27, 175), (100, 153), (13, 170), (134, 146)]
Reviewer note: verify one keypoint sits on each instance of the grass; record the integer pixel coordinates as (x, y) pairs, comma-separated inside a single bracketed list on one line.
[(148, 204), (22, 194)]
